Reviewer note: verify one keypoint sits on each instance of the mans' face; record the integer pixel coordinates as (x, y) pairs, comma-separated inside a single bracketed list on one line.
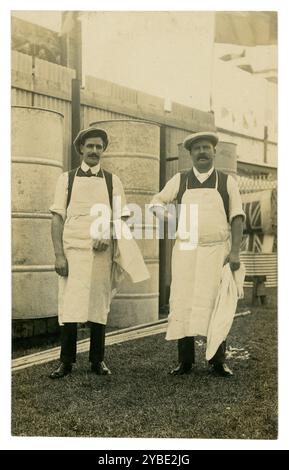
[(203, 154), (92, 150)]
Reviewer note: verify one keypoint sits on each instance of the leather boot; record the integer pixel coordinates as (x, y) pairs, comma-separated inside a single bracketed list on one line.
[(61, 371)]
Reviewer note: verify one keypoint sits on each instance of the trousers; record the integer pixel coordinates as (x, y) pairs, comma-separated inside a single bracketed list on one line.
[(186, 351), (69, 342)]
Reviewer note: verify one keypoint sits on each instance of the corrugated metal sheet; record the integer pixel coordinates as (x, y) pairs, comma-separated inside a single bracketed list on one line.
[(21, 97), (261, 264), (56, 74), (21, 62), (171, 168), (90, 114), (173, 138), (52, 71)]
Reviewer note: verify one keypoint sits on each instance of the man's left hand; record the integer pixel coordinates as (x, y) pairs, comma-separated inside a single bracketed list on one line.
[(234, 260)]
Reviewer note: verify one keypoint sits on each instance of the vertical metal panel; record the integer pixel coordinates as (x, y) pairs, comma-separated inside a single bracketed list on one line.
[(171, 168), (75, 119), (21, 97), (173, 139), (91, 114), (21, 62), (59, 77)]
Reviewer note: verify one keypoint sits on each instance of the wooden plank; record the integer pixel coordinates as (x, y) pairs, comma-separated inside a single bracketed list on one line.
[(43, 357)]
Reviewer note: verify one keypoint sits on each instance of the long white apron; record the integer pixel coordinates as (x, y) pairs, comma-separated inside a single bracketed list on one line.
[(85, 295), (196, 273)]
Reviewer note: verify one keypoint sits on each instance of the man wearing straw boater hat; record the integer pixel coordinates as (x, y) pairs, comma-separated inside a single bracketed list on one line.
[(197, 264), (84, 264)]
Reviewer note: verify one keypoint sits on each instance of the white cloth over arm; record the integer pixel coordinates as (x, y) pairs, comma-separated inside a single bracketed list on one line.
[(127, 258), (230, 290), (119, 202)]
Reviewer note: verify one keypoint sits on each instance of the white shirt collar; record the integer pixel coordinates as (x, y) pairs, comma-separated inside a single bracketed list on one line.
[(94, 169), (203, 176)]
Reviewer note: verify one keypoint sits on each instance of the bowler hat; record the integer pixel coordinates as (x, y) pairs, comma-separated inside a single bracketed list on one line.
[(190, 139), (90, 132)]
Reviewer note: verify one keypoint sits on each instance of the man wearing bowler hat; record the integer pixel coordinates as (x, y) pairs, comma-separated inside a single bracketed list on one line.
[(197, 263), (78, 257)]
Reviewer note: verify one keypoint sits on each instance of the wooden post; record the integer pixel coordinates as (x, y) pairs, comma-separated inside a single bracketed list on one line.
[(75, 90), (162, 242), (75, 120), (72, 43)]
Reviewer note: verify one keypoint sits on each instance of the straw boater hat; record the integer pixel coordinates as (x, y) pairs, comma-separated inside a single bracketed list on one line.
[(89, 132), (190, 139)]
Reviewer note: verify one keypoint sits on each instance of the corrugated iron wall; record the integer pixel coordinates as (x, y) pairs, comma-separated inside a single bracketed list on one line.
[(47, 85)]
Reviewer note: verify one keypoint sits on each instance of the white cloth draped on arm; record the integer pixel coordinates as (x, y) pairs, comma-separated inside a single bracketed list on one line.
[(230, 290), (127, 258)]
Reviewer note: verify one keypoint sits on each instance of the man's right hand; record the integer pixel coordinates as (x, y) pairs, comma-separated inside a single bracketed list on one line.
[(61, 265)]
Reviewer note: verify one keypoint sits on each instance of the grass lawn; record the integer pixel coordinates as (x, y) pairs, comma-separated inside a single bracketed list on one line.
[(141, 400)]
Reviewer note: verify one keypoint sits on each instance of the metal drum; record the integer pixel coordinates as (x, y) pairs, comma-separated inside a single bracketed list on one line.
[(226, 158), (37, 160), (133, 154)]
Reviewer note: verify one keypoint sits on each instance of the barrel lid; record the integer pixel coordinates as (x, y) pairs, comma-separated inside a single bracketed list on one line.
[(142, 121), (38, 109)]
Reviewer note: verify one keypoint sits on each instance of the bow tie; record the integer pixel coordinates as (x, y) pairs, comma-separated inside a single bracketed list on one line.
[(88, 173)]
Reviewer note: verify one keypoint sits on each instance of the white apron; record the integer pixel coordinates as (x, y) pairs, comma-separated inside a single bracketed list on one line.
[(84, 295), (196, 274)]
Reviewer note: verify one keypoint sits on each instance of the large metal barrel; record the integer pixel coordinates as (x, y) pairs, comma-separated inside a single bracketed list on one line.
[(226, 158), (37, 154), (133, 155)]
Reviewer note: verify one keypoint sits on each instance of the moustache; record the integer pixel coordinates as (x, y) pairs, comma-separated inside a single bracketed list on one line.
[(203, 156), (93, 155)]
